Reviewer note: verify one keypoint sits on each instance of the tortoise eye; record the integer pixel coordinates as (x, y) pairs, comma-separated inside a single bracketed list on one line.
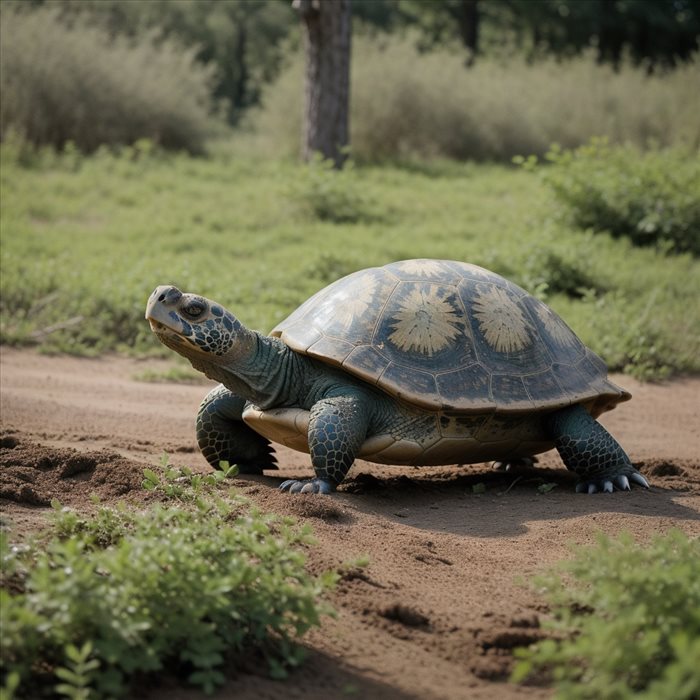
[(193, 309)]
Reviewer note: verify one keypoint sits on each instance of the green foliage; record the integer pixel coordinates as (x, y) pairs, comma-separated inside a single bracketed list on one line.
[(626, 621), (663, 32), (408, 104), (85, 240), (74, 83), (653, 198), (193, 590), (337, 196)]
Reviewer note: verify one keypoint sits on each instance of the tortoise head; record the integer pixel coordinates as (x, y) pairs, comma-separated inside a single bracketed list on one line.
[(192, 325)]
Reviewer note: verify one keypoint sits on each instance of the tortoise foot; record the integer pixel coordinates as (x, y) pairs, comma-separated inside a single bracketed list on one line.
[(507, 465), (608, 484), (307, 486)]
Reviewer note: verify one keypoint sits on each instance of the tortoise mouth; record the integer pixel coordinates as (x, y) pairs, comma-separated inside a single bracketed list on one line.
[(165, 333), (161, 328)]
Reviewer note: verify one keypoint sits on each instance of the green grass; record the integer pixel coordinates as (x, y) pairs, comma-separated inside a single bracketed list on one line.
[(86, 239), (172, 375)]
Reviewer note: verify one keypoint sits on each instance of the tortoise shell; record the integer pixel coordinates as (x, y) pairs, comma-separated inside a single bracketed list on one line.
[(445, 335)]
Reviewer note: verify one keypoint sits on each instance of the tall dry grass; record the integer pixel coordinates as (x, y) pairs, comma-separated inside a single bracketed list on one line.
[(406, 103), (63, 83)]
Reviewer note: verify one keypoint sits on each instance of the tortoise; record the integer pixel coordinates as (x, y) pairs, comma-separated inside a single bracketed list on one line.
[(418, 362)]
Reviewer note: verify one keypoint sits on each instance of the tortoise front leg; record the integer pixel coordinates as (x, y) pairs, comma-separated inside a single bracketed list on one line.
[(223, 436), (589, 450), (337, 429)]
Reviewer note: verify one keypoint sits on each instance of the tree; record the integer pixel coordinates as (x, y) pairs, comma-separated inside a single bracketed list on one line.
[(327, 30)]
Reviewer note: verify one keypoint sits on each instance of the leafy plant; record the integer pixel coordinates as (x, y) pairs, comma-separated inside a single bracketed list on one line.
[(78, 676), (650, 197), (182, 483), (333, 195), (626, 621), (194, 589)]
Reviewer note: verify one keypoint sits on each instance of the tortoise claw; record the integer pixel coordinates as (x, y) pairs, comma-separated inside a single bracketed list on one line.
[(620, 482), (517, 463), (307, 486), (639, 479)]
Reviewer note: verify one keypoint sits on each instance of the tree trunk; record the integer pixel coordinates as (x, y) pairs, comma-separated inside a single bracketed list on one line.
[(467, 15), (327, 91)]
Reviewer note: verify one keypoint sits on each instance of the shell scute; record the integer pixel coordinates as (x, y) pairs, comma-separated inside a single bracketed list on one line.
[(473, 381), (406, 382), (422, 324)]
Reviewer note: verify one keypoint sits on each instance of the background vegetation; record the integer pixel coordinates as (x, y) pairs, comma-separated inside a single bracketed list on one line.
[(86, 239)]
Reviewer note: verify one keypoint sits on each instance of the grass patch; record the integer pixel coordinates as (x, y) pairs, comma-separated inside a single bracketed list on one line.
[(626, 621), (173, 375), (194, 586), (85, 240)]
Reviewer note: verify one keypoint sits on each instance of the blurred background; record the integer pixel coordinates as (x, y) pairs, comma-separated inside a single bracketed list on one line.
[(553, 141), (481, 79)]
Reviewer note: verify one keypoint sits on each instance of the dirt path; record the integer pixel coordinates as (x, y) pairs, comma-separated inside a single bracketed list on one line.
[(438, 610)]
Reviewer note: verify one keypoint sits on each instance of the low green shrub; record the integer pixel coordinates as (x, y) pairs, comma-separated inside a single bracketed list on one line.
[(75, 84), (626, 621), (651, 197), (336, 196), (193, 590), (407, 104)]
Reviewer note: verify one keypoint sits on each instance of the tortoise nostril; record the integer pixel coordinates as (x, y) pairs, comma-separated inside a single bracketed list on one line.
[(169, 295)]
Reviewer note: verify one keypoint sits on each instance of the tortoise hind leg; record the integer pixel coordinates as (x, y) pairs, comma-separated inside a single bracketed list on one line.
[(223, 436), (589, 450)]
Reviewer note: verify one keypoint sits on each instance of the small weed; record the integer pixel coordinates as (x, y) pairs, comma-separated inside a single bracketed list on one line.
[(181, 483)]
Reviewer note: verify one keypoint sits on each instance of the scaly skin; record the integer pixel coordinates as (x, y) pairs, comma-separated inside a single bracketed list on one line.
[(344, 411)]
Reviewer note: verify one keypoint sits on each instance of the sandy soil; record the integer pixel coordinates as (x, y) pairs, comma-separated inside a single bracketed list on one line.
[(439, 609)]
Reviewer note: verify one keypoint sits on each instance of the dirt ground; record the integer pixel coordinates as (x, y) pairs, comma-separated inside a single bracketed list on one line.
[(439, 609)]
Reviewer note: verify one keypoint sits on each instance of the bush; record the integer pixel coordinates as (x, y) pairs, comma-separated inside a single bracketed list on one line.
[(652, 198), (195, 590), (626, 619), (337, 196), (407, 104), (74, 84)]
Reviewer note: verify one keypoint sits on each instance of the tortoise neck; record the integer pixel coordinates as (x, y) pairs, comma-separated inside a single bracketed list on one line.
[(261, 369)]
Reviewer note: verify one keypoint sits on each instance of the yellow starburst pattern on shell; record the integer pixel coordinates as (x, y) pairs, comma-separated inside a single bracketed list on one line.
[(345, 306), (425, 322), (557, 329), (421, 268), (501, 321)]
